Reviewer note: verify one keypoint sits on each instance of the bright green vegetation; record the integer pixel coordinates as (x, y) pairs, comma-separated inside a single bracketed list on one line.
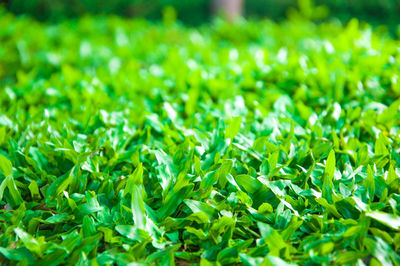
[(255, 143)]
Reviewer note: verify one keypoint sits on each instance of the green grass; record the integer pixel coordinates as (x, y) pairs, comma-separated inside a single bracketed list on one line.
[(253, 143)]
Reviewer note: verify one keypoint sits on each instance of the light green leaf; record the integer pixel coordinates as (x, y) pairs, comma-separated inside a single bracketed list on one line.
[(5, 166), (34, 245), (234, 127), (387, 219)]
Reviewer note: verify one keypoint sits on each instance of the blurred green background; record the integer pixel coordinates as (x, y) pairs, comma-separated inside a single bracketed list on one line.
[(194, 12)]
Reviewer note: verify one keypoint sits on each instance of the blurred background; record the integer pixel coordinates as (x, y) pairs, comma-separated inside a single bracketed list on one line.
[(195, 12)]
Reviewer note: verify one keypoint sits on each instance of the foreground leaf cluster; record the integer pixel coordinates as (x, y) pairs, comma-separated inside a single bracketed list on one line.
[(255, 143)]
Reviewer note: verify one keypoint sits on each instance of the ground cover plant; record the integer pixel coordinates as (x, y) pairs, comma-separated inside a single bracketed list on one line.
[(255, 143)]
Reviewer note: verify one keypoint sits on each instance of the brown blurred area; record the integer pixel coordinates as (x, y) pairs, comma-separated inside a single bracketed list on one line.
[(229, 8)]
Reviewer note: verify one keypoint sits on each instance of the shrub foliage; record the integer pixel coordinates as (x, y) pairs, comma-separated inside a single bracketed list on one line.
[(254, 142)]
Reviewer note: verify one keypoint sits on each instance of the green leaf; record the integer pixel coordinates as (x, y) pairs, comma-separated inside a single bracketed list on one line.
[(382, 251), (249, 183), (17, 254), (132, 232), (5, 166), (272, 238), (274, 260), (71, 241), (34, 189), (380, 146), (234, 127), (134, 185), (389, 113), (330, 165), (173, 199), (34, 245), (14, 198), (197, 206), (60, 184), (88, 226), (329, 207), (349, 257), (370, 184), (390, 220), (327, 186)]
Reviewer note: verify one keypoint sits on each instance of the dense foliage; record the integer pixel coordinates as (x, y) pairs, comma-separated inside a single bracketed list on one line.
[(256, 143), (195, 12)]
